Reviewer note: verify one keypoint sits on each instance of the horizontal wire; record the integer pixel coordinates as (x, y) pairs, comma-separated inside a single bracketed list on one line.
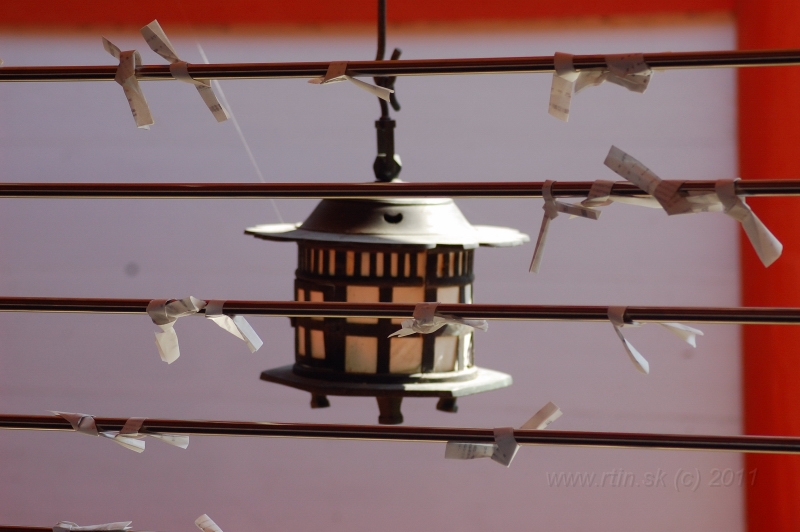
[(750, 444), (298, 309), (509, 189), (16, 528), (405, 67)]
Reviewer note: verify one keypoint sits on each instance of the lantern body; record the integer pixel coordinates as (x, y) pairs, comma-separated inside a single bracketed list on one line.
[(360, 348), (385, 250)]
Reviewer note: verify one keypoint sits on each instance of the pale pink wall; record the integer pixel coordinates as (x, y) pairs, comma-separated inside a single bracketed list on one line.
[(450, 129)]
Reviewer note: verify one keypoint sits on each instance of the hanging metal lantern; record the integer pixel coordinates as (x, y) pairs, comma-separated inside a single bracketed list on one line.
[(388, 250), (410, 250)]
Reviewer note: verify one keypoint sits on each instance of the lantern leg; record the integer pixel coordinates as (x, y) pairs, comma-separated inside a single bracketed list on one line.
[(447, 404), (389, 407), (319, 401)]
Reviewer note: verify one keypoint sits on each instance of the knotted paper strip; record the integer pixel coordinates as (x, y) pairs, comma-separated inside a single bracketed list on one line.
[(158, 42), (551, 209), (205, 524), (164, 313), (616, 316), (131, 444), (426, 321), (505, 447), (765, 244), (600, 196), (337, 71), (563, 86), (129, 61), (64, 526), (666, 192), (541, 419), (236, 325), (133, 425), (628, 70), (684, 332), (724, 199), (85, 424)]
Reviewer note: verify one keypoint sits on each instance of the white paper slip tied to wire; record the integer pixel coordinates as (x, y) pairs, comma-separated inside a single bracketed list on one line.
[(551, 209), (724, 199), (627, 70), (129, 61), (165, 312), (236, 325), (505, 447), (69, 526), (128, 436), (337, 71), (204, 523), (158, 42), (426, 321), (616, 315)]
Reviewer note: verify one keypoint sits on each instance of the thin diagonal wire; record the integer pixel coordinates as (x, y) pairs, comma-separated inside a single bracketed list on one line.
[(236, 125)]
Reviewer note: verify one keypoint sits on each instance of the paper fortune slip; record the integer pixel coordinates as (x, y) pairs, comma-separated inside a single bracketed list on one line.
[(551, 209), (83, 423), (158, 42), (128, 437), (616, 315), (337, 71), (164, 313), (724, 199), (203, 522), (627, 70), (505, 447), (767, 247), (131, 431), (426, 321), (236, 325), (129, 61), (206, 524), (64, 526)]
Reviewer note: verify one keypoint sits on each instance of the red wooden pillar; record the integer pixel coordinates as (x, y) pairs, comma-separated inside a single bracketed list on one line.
[(769, 147)]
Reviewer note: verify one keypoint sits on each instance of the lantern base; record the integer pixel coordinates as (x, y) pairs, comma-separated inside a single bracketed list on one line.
[(389, 395)]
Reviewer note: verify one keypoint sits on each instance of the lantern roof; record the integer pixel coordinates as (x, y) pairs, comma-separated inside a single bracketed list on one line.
[(426, 222)]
